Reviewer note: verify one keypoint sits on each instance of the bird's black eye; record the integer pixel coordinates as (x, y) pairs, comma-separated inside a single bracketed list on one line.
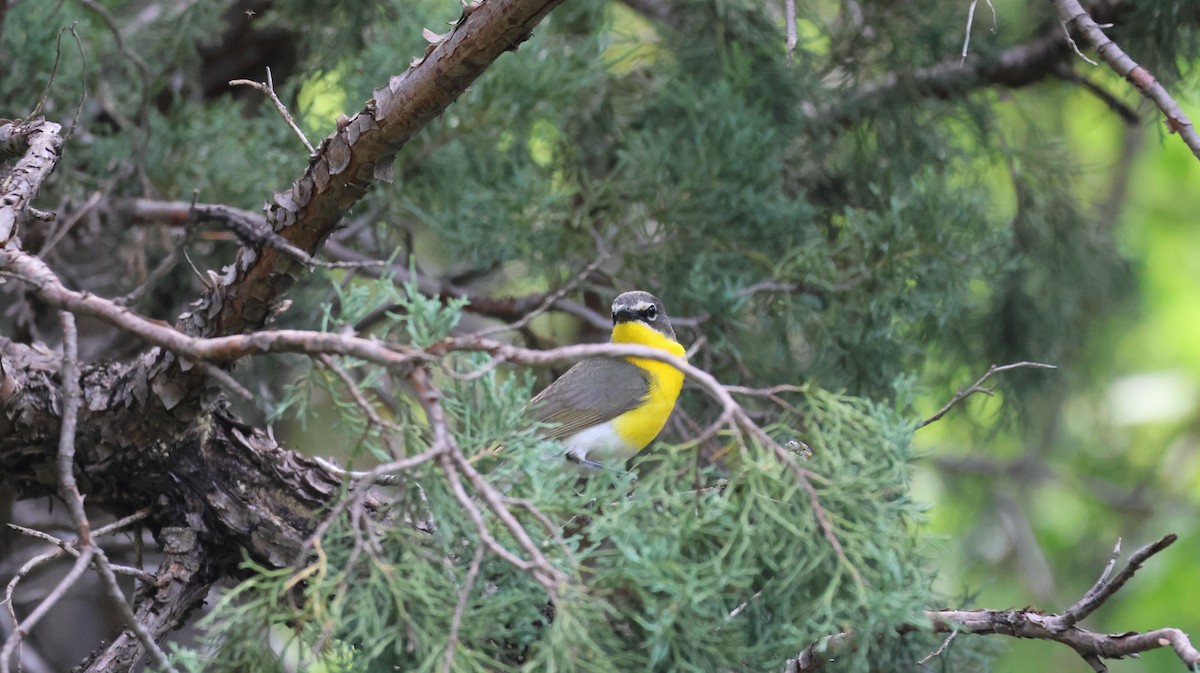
[(650, 314)]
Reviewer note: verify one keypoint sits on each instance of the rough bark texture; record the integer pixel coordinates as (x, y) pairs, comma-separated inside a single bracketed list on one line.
[(227, 482), (154, 432), (39, 142), (359, 154)]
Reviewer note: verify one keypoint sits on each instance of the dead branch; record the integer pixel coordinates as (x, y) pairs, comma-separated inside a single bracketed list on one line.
[(1019, 66), (1075, 17), (978, 387), (1031, 623), (40, 143), (21, 628), (268, 88)]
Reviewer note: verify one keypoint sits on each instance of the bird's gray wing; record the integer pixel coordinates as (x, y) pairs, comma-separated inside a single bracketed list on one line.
[(588, 394)]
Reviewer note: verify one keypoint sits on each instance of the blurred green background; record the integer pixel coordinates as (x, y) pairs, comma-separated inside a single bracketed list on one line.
[(1029, 510)]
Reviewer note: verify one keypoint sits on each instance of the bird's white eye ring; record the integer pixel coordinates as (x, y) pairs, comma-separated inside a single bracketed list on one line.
[(651, 314)]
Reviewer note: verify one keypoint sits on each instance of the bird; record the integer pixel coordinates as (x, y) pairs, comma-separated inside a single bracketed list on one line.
[(605, 410)]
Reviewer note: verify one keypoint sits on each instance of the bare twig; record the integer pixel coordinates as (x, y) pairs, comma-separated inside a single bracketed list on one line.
[(941, 648), (268, 88), (21, 629), (356, 394), (382, 473), (743, 605), (65, 547), (1075, 45), (967, 39), (550, 299), (552, 528), (61, 547), (1103, 589), (1073, 15), (109, 580), (61, 231), (769, 391), (69, 490), (453, 463), (789, 17), (1032, 623), (252, 230), (385, 473), (485, 536), (977, 387), (159, 272), (970, 22), (72, 399), (464, 595), (139, 64)]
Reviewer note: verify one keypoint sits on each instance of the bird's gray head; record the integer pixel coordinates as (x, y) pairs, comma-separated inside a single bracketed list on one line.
[(642, 307)]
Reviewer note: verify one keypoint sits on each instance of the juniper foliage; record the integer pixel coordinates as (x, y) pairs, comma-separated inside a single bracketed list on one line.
[(674, 566), (810, 234)]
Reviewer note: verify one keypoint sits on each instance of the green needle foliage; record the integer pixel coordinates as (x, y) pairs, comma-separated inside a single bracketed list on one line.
[(806, 222), (672, 566)]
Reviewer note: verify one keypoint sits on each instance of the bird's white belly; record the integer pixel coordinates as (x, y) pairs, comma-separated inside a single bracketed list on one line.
[(601, 444)]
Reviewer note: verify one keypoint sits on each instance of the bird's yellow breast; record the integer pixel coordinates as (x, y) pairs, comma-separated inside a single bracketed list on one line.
[(638, 427)]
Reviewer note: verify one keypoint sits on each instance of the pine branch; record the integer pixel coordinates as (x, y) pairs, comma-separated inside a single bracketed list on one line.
[(1043, 56), (1018, 66)]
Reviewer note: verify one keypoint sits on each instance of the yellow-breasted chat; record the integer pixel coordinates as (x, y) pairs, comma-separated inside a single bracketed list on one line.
[(605, 410)]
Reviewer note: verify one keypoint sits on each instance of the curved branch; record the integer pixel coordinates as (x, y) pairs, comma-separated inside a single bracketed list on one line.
[(230, 348)]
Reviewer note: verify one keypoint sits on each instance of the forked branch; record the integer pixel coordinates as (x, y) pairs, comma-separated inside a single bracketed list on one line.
[(1094, 647), (978, 387)]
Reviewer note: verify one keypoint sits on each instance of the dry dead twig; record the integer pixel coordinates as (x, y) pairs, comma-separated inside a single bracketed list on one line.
[(978, 387), (1094, 647), (268, 88)]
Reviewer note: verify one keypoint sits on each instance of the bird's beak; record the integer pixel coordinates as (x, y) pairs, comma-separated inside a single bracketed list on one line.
[(625, 314)]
